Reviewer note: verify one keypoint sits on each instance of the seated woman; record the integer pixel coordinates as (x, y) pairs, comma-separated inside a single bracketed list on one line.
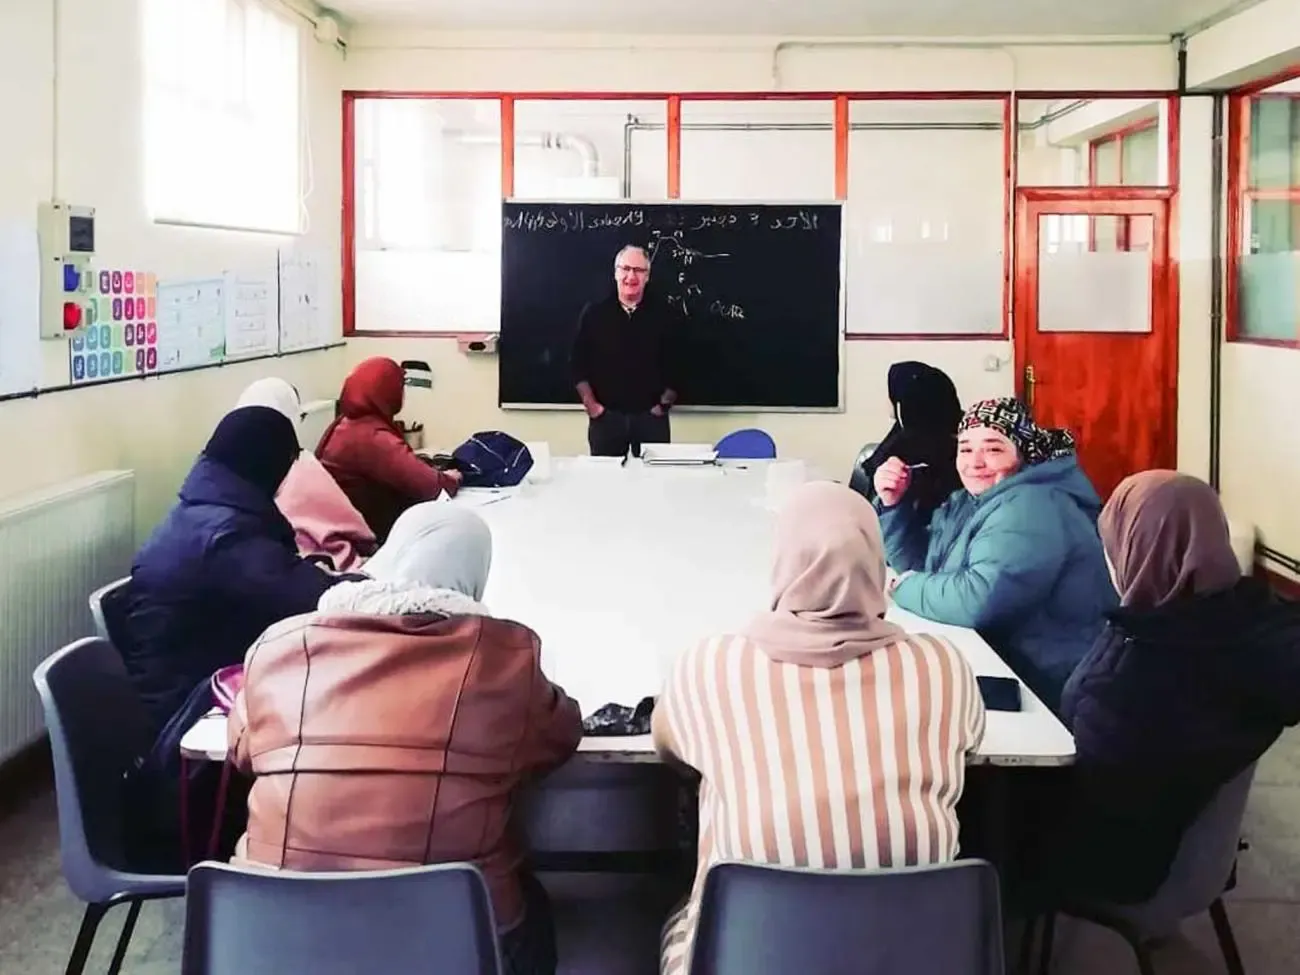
[(325, 523), (367, 455), (816, 687), (425, 714), (1194, 678), (221, 567), (924, 435), (1015, 555)]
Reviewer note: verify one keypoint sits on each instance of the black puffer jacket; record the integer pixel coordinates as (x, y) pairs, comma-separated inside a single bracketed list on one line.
[(1168, 706)]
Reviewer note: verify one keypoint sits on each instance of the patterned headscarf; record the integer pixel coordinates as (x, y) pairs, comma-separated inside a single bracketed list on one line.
[(1009, 417)]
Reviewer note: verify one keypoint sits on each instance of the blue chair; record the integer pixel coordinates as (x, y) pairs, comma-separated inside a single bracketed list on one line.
[(98, 727), (107, 606), (421, 919), (1203, 869), (748, 444), (764, 920)]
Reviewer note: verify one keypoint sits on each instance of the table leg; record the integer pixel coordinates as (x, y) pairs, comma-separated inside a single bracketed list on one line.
[(219, 811), (185, 813)]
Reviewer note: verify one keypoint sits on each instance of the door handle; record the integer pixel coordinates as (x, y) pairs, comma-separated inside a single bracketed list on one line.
[(1030, 381)]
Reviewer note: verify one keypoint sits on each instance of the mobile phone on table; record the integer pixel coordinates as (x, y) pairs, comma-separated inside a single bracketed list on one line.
[(1000, 693)]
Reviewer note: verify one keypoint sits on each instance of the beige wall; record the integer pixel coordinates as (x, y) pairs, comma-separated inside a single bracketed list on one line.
[(154, 426)]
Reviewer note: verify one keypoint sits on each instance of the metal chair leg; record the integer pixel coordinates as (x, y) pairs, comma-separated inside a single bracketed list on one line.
[(1227, 942), (1045, 951), (124, 939), (85, 938), (1027, 944)]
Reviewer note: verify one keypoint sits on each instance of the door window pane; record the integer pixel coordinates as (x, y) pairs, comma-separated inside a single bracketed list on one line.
[(1082, 290)]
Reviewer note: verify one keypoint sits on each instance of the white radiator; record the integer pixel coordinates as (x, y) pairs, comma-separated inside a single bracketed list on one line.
[(57, 545)]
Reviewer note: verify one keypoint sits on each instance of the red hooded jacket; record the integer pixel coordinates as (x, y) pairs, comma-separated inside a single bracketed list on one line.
[(365, 452)]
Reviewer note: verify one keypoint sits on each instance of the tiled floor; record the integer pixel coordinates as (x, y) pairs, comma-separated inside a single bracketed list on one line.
[(610, 927)]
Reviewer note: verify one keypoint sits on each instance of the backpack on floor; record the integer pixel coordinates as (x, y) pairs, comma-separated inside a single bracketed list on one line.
[(493, 459)]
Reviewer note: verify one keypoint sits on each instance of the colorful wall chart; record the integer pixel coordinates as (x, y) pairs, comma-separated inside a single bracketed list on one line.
[(120, 337)]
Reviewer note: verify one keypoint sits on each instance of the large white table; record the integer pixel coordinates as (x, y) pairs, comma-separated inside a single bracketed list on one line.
[(620, 568)]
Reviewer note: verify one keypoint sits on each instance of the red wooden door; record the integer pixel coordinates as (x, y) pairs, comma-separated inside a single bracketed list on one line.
[(1096, 332)]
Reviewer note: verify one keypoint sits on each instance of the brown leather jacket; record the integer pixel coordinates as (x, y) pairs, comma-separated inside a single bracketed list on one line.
[(381, 741)]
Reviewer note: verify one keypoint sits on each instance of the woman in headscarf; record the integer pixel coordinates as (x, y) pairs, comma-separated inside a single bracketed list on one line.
[(924, 435), (221, 567), (1015, 555), (366, 453), (326, 524), (824, 735), (1195, 676), (425, 715)]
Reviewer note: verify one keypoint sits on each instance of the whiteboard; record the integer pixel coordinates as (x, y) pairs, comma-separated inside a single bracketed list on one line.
[(923, 289), (20, 308)]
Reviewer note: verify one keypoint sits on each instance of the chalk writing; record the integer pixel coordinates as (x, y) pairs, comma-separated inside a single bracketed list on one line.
[(724, 310), (658, 219)]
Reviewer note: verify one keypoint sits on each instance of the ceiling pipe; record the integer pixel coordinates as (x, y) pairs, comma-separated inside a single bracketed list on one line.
[(563, 141)]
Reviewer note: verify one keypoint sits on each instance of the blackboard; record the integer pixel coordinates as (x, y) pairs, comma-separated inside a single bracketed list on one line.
[(759, 286)]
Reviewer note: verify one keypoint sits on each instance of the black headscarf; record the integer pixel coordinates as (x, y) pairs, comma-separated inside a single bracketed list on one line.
[(926, 414), (257, 443)]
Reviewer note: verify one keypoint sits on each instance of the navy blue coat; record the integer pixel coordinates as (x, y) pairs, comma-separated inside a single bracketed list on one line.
[(219, 569), (1169, 705)]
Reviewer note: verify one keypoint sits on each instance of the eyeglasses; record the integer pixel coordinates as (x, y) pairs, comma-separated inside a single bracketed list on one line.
[(629, 269)]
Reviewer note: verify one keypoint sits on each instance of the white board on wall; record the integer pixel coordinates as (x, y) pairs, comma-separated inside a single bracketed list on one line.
[(20, 308)]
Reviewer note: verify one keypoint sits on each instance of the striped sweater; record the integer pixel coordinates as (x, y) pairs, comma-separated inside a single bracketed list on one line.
[(859, 765)]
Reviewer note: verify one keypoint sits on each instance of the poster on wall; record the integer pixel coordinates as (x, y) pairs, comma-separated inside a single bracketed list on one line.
[(251, 314), (305, 319), (20, 308), (191, 323), (120, 337)]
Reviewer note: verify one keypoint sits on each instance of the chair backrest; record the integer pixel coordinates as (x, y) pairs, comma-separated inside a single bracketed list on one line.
[(748, 444), (761, 920), (1203, 864), (858, 479), (98, 727), (108, 608), (423, 919)]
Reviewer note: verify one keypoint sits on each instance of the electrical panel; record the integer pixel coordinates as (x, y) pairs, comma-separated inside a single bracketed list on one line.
[(67, 243)]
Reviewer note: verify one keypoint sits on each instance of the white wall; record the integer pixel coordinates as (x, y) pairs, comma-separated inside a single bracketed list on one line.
[(1260, 466), (154, 426)]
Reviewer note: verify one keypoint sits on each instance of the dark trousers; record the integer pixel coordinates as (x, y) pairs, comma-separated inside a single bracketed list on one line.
[(614, 433), (529, 947)]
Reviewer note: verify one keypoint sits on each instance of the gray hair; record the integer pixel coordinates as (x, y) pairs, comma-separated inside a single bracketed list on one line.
[(632, 247)]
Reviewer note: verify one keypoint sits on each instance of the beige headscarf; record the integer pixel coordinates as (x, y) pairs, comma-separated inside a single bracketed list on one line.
[(828, 581), (1167, 536)]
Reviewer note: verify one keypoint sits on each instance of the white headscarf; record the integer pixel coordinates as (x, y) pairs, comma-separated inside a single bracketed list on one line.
[(436, 559), (276, 394)]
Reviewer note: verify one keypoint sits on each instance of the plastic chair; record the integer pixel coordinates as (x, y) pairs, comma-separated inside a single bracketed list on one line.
[(396, 922), (97, 728), (763, 920), (858, 479), (1202, 871), (748, 444), (107, 605)]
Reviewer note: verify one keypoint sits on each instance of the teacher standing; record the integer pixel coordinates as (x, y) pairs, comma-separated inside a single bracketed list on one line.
[(623, 362)]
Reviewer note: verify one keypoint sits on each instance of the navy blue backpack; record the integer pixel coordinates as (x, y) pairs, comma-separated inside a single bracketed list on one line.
[(492, 459)]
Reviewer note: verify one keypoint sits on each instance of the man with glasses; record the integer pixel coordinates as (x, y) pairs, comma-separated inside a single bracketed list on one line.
[(623, 362)]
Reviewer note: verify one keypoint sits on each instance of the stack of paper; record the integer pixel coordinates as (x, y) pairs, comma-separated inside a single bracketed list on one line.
[(678, 454)]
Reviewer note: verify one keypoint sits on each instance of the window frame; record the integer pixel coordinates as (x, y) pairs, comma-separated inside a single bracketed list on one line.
[(1120, 138), (1240, 196)]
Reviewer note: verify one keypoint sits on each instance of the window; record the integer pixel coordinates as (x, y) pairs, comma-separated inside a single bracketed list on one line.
[(222, 129), (1129, 157), (1267, 251)]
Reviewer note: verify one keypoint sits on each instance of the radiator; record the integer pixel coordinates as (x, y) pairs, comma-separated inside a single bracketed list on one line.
[(58, 546)]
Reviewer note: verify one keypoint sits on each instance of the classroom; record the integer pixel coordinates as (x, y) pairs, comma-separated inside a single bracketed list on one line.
[(1088, 211)]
